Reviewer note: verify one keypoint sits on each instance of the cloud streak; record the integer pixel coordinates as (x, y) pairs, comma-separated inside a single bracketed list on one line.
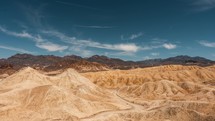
[(147, 58), (82, 46), (126, 47), (132, 37), (40, 42), (22, 34), (51, 47), (158, 41), (207, 44), (82, 51), (203, 5), (95, 27), (34, 15), (123, 47), (76, 5), (169, 46), (15, 49), (155, 54)]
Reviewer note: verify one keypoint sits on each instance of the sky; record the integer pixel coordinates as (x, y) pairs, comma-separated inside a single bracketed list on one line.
[(126, 29)]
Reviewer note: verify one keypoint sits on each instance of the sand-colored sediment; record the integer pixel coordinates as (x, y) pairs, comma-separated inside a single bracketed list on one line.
[(166, 93), (178, 73), (31, 96)]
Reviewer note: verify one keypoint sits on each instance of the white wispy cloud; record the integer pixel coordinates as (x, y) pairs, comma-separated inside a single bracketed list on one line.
[(126, 47), (40, 42), (120, 54), (79, 45), (157, 46), (151, 56), (147, 58), (22, 34), (132, 37), (207, 43), (158, 41), (151, 47), (165, 43), (169, 46), (82, 51), (51, 46), (76, 5), (203, 5), (34, 15), (95, 27), (15, 49), (155, 54)]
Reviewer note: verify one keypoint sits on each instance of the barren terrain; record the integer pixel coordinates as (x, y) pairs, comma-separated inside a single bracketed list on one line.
[(173, 92), (164, 93)]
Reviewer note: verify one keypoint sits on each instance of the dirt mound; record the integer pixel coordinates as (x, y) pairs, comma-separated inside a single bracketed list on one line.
[(119, 78), (164, 89), (31, 95), (160, 114), (166, 93)]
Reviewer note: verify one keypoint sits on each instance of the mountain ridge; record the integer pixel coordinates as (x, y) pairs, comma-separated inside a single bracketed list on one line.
[(93, 63)]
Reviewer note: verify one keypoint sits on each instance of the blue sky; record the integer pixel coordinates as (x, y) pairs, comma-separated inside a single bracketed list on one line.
[(130, 30)]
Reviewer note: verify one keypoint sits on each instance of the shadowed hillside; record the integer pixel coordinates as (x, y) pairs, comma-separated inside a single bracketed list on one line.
[(95, 63)]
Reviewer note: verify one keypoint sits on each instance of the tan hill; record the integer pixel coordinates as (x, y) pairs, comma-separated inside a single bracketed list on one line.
[(178, 73), (168, 113), (30, 95), (84, 66), (165, 93), (170, 90)]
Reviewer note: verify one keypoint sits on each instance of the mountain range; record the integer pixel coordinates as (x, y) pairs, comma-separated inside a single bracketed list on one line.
[(94, 63)]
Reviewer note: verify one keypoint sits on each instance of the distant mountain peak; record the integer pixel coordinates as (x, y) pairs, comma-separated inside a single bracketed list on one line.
[(185, 57), (21, 55), (99, 56), (93, 63)]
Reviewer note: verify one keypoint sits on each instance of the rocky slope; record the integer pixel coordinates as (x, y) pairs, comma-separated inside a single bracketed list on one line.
[(30, 95), (173, 92), (48, 63), (95, 63), (177, 73), (178, 60), (165, 93)]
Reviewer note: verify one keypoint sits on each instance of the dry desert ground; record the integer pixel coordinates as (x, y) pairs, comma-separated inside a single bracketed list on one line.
[(163, 93)]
